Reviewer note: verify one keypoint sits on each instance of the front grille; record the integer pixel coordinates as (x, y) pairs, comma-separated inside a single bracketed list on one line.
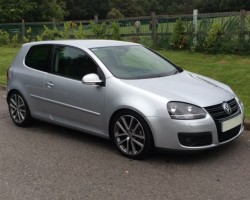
[(219, 115), (224, 136), (195, 139), (217, 112)]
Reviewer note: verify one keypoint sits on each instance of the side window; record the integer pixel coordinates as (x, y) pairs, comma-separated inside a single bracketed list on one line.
[(38, 57), (72, 62)]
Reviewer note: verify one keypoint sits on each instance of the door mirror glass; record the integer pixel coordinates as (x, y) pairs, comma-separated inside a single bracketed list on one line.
[(92, 79)]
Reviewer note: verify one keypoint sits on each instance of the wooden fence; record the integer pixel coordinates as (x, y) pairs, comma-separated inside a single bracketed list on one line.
[(152, 26)]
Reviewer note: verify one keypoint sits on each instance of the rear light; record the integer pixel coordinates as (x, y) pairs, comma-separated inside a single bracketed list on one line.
[(8, 74)]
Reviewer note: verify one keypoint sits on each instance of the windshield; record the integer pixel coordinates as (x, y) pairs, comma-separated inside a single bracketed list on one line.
[(133, 62)]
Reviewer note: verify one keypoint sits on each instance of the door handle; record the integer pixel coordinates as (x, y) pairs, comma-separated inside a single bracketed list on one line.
[(49, 84)]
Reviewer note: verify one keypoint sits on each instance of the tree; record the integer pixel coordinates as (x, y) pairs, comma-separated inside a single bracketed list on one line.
[(15, 10), (45, 10), (130, 8), (86, 9), (49, 9), (115, 14)]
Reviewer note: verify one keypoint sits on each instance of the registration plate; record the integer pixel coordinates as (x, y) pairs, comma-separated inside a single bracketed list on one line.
[(231, 123)]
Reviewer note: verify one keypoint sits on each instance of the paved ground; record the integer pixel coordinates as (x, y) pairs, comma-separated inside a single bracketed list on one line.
[(48, 162)]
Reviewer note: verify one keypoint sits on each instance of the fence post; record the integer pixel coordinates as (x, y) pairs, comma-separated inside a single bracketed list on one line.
[(242, 21), (54, 23), (96, 19), (242, 28), (154, 29), (23, 30), (195, 26)]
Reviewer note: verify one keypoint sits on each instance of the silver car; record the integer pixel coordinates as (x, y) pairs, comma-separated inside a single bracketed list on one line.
[(121, 91)]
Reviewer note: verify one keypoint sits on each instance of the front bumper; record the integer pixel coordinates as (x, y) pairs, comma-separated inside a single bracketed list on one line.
[(166, 133)]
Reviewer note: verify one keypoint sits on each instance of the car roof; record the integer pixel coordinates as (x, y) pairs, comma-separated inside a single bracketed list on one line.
[(84, 43)]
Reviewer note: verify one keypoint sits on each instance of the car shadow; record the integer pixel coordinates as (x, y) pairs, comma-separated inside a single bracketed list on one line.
[(158, 156), (188, 157), (71, 134)]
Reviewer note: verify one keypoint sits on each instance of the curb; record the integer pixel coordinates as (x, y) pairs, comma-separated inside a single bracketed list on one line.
[(246, 121), (2, 87), (247, 124)]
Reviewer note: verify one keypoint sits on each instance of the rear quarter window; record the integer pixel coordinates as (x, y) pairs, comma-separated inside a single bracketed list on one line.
[(38, 57)]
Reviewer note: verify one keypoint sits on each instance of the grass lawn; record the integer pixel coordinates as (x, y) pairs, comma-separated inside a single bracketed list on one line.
[(229, 69), (6, 57)]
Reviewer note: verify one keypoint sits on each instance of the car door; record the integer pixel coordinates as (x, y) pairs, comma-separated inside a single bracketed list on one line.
[(69, 100), (38, 63)]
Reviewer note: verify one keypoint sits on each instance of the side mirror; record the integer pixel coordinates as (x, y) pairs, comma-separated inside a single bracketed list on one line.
[(92, 79)]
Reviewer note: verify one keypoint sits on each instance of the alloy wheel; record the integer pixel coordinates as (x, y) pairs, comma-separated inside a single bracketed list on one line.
[(129, 135), (18, 109)]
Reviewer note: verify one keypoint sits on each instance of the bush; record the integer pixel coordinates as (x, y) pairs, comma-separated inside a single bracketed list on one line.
[(212, 42), (49, 34), (163, 42), (66, 32), (15, 41), (99, 30), (221, 38), (229, 41), (28, 36), (244, 45), (204, 26), (146, 41), (178, 39), (115, 31), (4, 38), (79, 32)]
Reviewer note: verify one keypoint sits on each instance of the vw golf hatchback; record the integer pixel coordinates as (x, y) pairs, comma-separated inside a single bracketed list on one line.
[(124, 92)]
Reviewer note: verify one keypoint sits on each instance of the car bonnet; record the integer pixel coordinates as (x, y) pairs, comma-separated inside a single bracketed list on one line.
[(185, 87)]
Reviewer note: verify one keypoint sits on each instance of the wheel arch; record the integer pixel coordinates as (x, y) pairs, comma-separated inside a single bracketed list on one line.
[(13, 91), (131, 110)]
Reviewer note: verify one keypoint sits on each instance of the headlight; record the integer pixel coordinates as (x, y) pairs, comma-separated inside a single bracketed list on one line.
[(178, 110), (240, 103)]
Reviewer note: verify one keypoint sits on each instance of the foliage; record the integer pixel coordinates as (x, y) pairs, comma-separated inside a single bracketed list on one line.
[(212, 41), (229, 41), (48, 9), (49, 34), (99, 30), (221, 6), (115, 14), (66, 32), (79, 32), (70, 30), (28, 35), (16, 10), (115, 31), (220, 38), (163, 42), (15, 41), (128, 8), (13, 10), (146, 41), (79, 9), (203, 28), (179, 40), (6, 57), (4, 38)]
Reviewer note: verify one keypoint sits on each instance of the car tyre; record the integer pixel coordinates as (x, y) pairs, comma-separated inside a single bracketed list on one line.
[(19, 110), (132, 135)]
